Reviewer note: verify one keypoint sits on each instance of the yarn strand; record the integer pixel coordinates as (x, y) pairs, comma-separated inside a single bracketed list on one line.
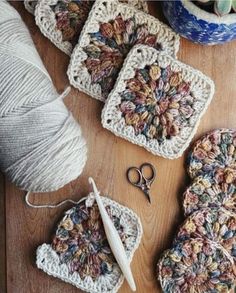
[(49, 206)]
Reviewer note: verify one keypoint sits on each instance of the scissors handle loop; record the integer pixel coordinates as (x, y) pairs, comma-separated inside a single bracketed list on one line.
[(138, 182), (148, 179)]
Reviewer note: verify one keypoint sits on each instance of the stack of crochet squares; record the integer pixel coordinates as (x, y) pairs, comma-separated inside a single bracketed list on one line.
[(126, 58)]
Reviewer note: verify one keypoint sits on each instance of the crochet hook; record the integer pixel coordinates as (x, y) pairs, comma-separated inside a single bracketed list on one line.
[(114, 239)]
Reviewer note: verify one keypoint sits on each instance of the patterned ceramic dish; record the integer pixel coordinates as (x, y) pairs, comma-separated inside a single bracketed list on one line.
[(80, 254), (215, 224), (111, 30), (61, 21), (197, 25), (157, 102), (214, 154), (196, 265), (206, 191)]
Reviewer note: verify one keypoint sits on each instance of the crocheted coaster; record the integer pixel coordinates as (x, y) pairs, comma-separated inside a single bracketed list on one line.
[(111, 30), (139, 4), (214, 151), (61, 21), (196, 265), (157, 102), (205, 192), (216, 224), (80, 254)]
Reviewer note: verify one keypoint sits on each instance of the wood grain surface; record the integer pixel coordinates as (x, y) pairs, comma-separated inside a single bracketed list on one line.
[(24, 228)]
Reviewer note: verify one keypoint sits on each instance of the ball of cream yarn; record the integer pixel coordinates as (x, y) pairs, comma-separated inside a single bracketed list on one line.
[(41, 146)]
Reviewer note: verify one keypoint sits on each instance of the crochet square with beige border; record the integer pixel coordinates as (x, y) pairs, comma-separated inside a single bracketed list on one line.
[(157, 102), (80, 253), (61, 21), (111, 30)]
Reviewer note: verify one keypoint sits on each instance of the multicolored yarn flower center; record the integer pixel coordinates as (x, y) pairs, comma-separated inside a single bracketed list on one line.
[(109, 46), (157, 102), (81, 243), (70, 17)]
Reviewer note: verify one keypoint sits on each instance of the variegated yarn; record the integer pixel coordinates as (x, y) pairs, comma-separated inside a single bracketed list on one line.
[(41, 147)]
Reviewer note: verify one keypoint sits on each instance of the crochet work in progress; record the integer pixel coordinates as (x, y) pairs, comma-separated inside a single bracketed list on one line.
[(157, 102), (42, 147), (196, 265), (111, 30), (215, 224), (80, 254), (61, 21)]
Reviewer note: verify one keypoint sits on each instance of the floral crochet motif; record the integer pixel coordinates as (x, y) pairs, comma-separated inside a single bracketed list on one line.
[(157, 102), (81, 242), (196, 265), (80, 253), (206, 191), (62, 20), (110, 45), (215, 154), (216, 224), (110, 32)]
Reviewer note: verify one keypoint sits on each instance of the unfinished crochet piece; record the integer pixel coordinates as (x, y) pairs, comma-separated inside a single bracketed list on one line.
[(215, 154), (111, 30), (157, 102), (206, 191), (80, 254), (196, 265), (215, 224), (61, 21)]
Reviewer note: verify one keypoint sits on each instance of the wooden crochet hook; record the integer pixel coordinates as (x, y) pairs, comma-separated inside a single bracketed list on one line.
[(114, 239)]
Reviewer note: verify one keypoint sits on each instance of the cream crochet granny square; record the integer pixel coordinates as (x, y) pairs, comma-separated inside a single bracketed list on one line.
[(61, 21), (157, 102), (111, 30), (139, 4), (80, 254)]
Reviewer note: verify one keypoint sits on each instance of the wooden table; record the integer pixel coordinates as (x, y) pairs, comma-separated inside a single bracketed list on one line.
[(24, 228)]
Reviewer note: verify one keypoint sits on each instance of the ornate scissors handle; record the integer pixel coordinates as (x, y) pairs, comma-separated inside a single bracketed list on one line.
[(144, 182)]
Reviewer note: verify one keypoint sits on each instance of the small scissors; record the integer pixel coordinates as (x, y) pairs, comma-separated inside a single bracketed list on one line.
[(143, 182)]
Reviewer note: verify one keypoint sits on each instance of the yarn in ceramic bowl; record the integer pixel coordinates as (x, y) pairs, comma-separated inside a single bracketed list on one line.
[(198, 25)]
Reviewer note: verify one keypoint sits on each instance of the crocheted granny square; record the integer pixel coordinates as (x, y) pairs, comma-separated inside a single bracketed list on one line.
[(139, 4), (196, 265), (214, 154), (207, 191), (80, 254), (111, 30), (157, 102), (61, 21), (215, 224)]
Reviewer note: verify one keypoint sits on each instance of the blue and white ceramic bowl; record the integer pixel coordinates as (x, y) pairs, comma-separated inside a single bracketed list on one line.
[(197, 25)]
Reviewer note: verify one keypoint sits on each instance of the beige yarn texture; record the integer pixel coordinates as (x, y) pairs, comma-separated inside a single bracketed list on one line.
[(49, 262), (41, 146)]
